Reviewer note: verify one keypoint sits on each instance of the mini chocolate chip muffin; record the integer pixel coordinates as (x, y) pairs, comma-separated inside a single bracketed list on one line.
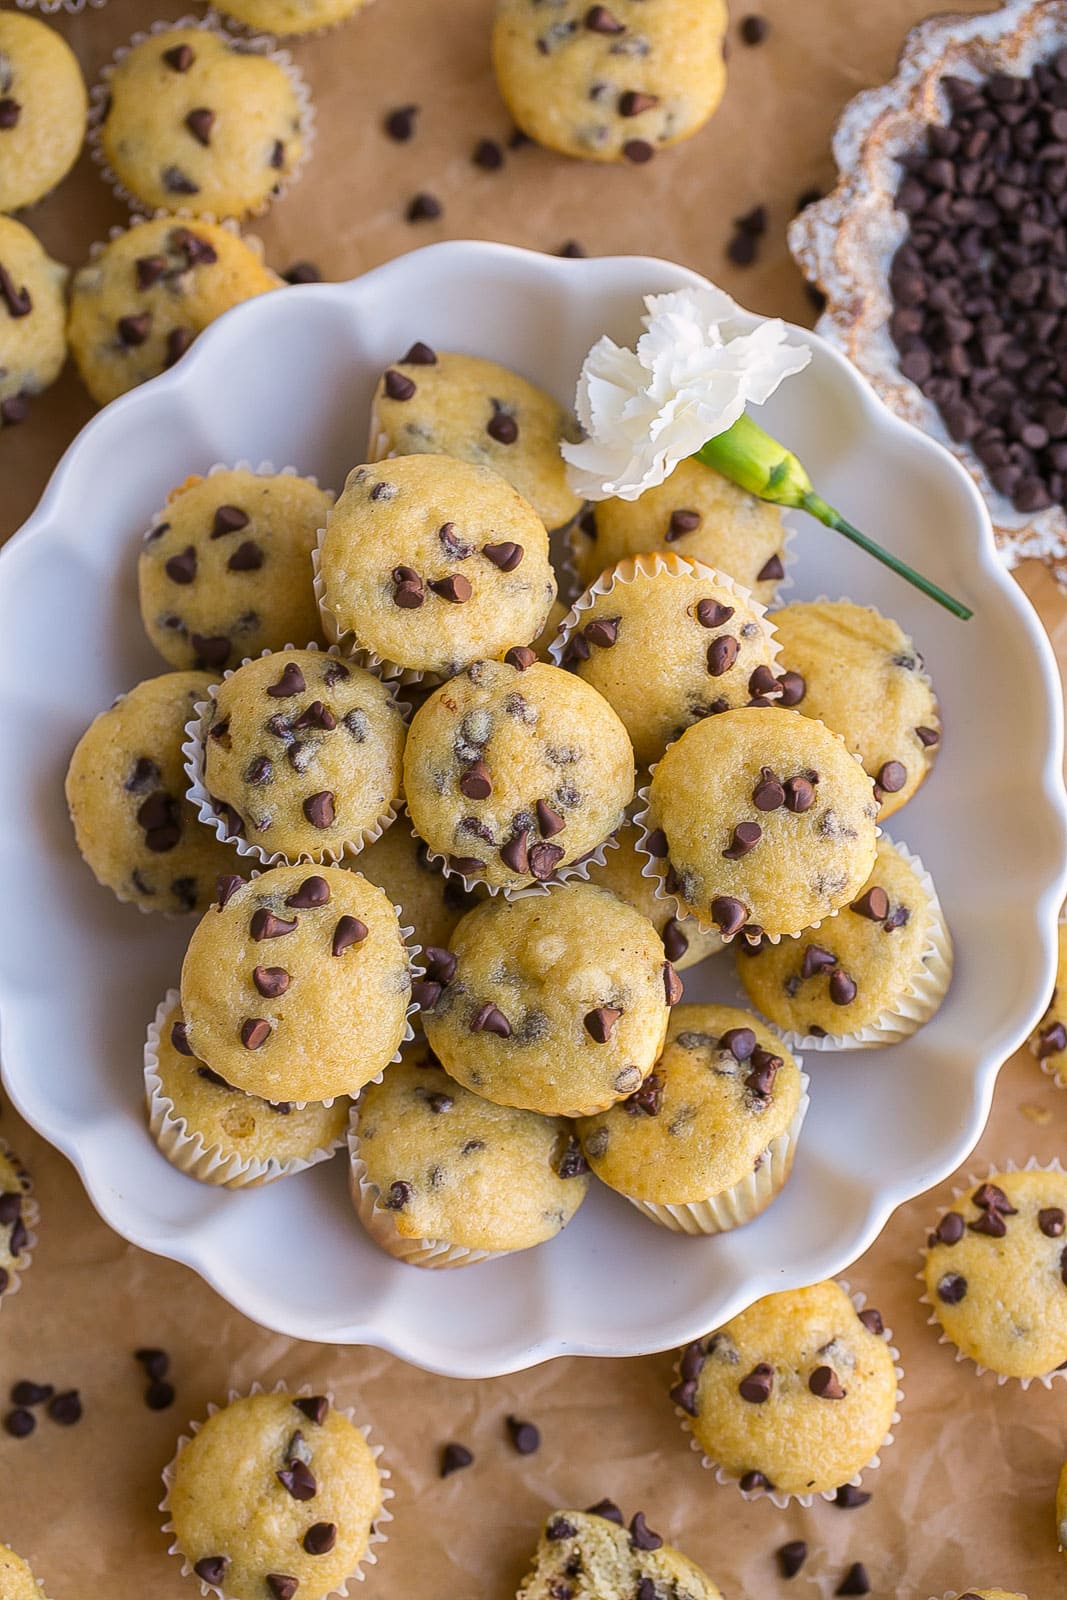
[(209, 1129), (225, 572), (33, 316), (699, 515), (996, 1273), (590, 1555), (299, 754), (667, 642), (126, 795), (43, 106), (430, 900), (292, 16), (138, 304), (555, 1003), (865, 679), (18, 1217), (273, 1494), (870, 976), (610, 83), (441, 1177), (514, 773), (795, 1396), (17, 1581), (296, 986), (684, 942), (708, 1139), (429, 563), (437, 402), (201, 123), (760, 821), (1049, 1039)]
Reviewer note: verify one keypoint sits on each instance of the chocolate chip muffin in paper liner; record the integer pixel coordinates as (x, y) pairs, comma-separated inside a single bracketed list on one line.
[(668, 641), (1048, 1042), (508, 1179), (912, 994), (197, 130), (19, 1216), (293, 1482), (816, 866), (312, 1133), (731, 1097), (823, 1387), (332, 734), (1006, 1233)]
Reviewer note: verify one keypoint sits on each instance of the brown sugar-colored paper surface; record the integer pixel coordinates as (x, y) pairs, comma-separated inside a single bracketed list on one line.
[(965, 1494)]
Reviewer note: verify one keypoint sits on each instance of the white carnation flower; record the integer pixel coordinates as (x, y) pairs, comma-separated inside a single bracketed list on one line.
[(690, 378)]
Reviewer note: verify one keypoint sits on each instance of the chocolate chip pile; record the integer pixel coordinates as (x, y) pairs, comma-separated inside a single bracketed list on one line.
[(980, 283)]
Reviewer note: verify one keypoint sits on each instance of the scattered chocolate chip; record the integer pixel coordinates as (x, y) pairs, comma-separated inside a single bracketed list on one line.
[(949, 1230), (14, 409), (1051, 1040), (544, 858), (502, 427), (825, 1383), (454, 1457), (799, 794), (10, 111), (66, 1408), (320, 1538), (772, 570), (1050, 1220), (722, 653), (728, 914), (683, 522), (952, 1288), (928, 737), (843, 988), (200, 122), (571, 250), (600, 1023), (606, 1509), (398, 386), (349, 931), (488, 155), (180, 57), (265, 925), (712, 613), (319, 809), (424, 208), (641, 1535), (523, 1435), (872, 904), (672, 985), (159, 1395), (791, 1557), (399, 123), (302, 272), (753, 29), (281, 1585), (155, 1362), (28, 1393), (872, 1320), (315, 1407), (656, 843), (684, 1395), (892, 776), (20, 1423), (850, 1497), (757, 1386), (638, 151), (489, 1019), (749, 1482), (675, 940), (855, 1581), (455, 588), (746, 836)]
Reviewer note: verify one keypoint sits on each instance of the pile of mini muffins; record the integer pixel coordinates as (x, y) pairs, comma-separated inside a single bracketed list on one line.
[(198, 129), (451, 845)]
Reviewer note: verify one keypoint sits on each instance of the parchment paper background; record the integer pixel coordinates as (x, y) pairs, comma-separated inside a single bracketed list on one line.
[(964, 1497)]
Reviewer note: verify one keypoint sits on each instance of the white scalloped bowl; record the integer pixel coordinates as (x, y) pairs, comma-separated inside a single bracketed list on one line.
[(288, 377)]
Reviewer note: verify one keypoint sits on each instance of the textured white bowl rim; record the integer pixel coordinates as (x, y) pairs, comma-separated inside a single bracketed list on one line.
[(497, 1337)]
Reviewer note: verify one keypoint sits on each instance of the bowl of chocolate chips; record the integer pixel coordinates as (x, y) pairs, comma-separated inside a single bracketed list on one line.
[(942, 254)]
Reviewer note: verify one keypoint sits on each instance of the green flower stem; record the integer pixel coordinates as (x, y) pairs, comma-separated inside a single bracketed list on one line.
[(754, 461)]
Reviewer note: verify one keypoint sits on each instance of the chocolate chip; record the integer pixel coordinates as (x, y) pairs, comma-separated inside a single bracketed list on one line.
[(423, 208), (314, 891), (1051, 1040), (753, 29), (20, 1423), (791, 1557), (488, 155), (549, 821), (28, 1393), (825, 1383), (684, 1394), (315, 1407), (319, 809), (399, 123), (248, 557), (1063, 1266), (320, 1538), (228, 519), (454, 1457), (515, 854), (1050, 1220), (952, 1288), (281, 1585), (14, 409), (757, 1386), (722, 653), (134, 330), (771, 571), (17, 301), (441, 964), (502, 427), (523, 1435), (298, 1479), (855, 1580), (180, 57), (712, 613), (302, 272), (255, 1031), (843, 988), (949, 1230), (200, 122), (175, 181), (990, 1223), (749, 1482), (928, 737), (544, 858), (769, 793), (600, 1023), (182, 568), (400, 1194), (765, 1069), (455, 588), (265, 925), (728, 914), (603, 1508), (872, 1320), (271, 982), (466, 866), (349, 931), (66, 1408), (799, 794), (475, 783), (872, 904), (849, 1497), (598, 19), (683, 522), (990, 1197), (408, 592), (792, 689), (656, 843), (746, 836), (398, 386), (570, 1161), (892, 776), (277, 155), (10, 110), (632, 102), (506, 555), (641, 1535), (159, 1396), (212, 1569), (521, 657), (672, 985), (638, 151), (489, 1019), (290, 683)]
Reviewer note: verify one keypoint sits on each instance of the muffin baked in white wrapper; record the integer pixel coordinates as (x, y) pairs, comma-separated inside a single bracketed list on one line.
[(746, 1198), (1046, 1379), (926, 989), (208, 808), (775, 1496), (31, 1216), (377, 1537), (188, 1151), (250, 44), (568, 873)]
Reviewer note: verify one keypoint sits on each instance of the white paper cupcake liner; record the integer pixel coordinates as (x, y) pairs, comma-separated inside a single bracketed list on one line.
[(776, 1496), (377, 1537), (206, 806), (1031, 1165), (1047, 1063), (926, 987), (257, 44), (657, 873), (31, 1216), (49, 8), (380, 1223), (568, 873), (743, 1200), (188, 1151)]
